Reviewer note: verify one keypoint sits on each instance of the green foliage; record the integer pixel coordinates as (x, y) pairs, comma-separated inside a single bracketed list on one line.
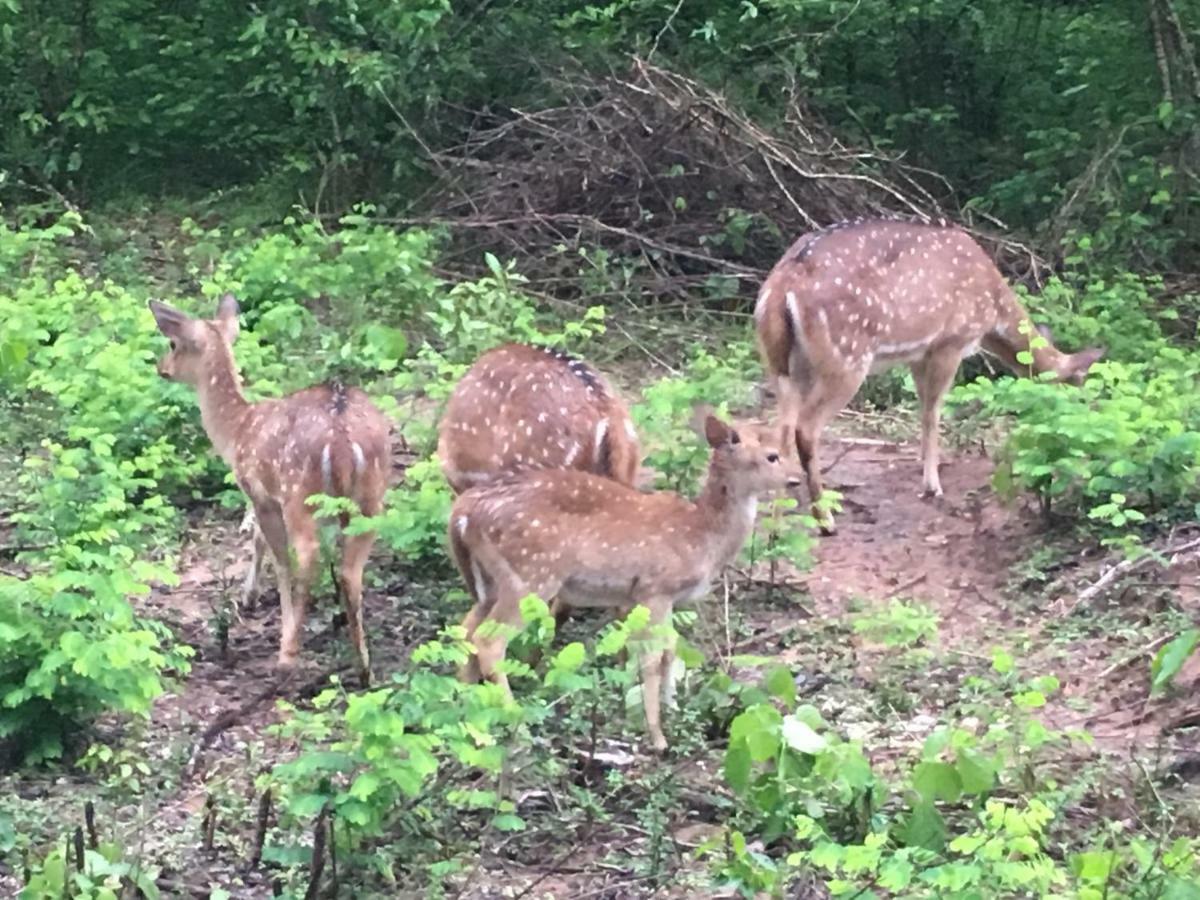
[(1171, 658), (664, 416), (105, 874), (90, 499), (968, 818), (1123, 446), (422, 760), (397, 760), (345, 295), (71, 648), (899, 624), (1054, 119)]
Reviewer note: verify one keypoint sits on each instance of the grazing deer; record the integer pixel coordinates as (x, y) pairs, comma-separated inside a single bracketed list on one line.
[(521, 407), (326, 439), (863, 296), (584, 540)]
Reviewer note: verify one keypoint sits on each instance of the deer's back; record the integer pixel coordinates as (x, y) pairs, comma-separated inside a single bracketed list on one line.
[(568, 524), (304, 442), (521, 407), (868, 290)]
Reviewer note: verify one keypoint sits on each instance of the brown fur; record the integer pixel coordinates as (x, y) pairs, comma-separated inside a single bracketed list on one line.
[(864, 296), (584, 540), (324, 439), (521, 407)]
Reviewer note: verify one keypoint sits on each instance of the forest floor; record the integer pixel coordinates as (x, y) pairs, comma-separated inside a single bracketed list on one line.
[(994, 575)]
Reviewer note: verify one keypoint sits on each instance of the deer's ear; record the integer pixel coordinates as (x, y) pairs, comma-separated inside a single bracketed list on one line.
[(717, 433), (698, 420), (227, 316), (171, 322)]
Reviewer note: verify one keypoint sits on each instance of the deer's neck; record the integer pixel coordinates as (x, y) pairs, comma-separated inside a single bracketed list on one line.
[(223, 408), (727, 514)]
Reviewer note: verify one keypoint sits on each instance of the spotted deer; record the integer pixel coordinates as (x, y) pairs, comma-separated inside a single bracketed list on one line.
[(584, 540), (326, 439), (864, 296), (521, 407)]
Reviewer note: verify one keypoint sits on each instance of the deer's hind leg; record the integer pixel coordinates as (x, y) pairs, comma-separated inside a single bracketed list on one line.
[(356, 548), (274, 532), (807, 407), (304, 545), (933, 376)]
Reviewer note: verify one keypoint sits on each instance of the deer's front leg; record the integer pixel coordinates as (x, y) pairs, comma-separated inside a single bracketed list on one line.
[(655, 663)]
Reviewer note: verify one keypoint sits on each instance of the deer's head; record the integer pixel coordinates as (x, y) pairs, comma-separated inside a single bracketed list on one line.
[(198, 346), (1070, 367), (751, 457)]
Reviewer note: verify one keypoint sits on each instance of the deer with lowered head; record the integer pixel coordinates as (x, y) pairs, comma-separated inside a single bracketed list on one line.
[(327, 439), (864, 296), (584, 540), (521, 407)]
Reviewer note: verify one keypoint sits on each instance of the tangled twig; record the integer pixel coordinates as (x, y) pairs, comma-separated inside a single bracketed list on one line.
[(653, 186)]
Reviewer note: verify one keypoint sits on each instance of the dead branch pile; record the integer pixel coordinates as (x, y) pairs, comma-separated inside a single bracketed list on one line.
[(651, 185)]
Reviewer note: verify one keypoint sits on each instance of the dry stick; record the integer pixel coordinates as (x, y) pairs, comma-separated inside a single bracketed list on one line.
[(666, 26), (89, 819), (67, 882), (77, 839), (225, 721), (728, 635), (317, 866), (1160, 51), (333, 886), (1125, 568), (260, 828), (1189, 54), (209, 828), (1135, 656), (901, 588), (231, 717)]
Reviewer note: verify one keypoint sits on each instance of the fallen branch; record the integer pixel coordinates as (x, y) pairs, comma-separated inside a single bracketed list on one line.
[(1135, 656), (901, 588), (1127, 567)]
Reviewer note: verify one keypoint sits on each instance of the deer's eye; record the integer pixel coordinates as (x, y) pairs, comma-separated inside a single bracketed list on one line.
[(172, 343), (772, 457)]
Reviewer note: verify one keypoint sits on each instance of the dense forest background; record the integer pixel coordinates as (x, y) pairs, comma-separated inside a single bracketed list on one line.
[(993, 696), (1068, 122)]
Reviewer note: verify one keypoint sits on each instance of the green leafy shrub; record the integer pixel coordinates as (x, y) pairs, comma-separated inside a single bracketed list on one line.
[(664, 414), (71, 647), (421, 760), (104, 446), (974, 815), (1129, 439)]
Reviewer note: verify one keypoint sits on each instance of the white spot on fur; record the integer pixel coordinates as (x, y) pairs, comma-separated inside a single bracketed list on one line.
[(601, 433), (761, 306), (327, 469)]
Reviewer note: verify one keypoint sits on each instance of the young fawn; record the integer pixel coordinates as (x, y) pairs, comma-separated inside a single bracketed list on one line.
[(325, 439), (521, 407), (585, 540), (864, 296)]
